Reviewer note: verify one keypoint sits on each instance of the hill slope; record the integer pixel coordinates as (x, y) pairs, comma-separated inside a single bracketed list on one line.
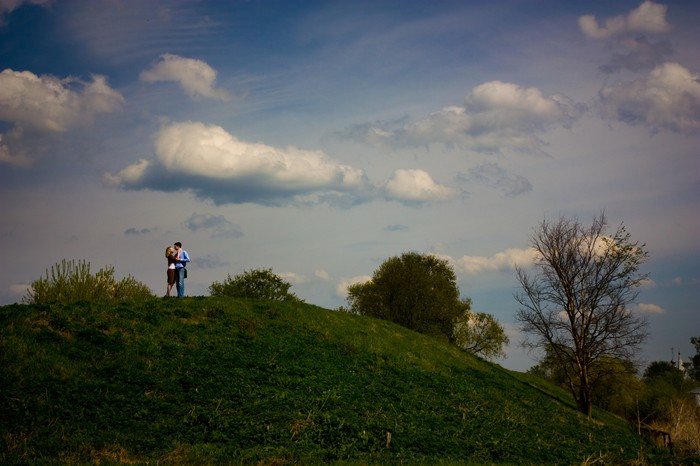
[(205, 380)]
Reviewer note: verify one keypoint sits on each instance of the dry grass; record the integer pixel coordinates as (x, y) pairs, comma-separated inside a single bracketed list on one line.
[(684, 427)]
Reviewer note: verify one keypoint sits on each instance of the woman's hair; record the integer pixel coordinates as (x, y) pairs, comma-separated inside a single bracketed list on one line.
[(168, 251)]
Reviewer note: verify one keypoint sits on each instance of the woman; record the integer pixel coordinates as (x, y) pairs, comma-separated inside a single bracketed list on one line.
[(172, 259)]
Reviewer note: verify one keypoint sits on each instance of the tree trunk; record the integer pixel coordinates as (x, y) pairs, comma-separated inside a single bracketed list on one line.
[(584, 402)]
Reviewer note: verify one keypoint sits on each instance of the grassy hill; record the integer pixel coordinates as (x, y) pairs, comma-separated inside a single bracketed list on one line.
[(225, 381)]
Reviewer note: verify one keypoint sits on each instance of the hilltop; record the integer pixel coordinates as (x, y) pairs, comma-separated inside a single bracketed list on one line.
[(227, 381)]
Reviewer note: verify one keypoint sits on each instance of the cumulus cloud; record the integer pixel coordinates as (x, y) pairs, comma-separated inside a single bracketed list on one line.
[(495, 175), (196, 77), (416, 186), (650, 309), (8, 6), (504, 260), (495, 116), (216, 224), (649, 17), (213, 164), (46, 104), (667, 98)]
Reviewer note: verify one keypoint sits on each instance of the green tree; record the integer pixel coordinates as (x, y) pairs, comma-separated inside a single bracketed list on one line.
[(576, 303), (694, 369), (417, 291), (479, 333), (260, 284), (73, 281), (664, 389)]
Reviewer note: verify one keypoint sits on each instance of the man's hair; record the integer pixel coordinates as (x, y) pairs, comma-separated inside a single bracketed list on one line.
[(178, 244)]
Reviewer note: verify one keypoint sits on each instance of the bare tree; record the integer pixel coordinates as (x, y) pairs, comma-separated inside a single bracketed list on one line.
[(576, 304)]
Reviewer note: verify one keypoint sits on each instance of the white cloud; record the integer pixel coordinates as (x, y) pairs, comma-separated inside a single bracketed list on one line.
[(505, 260), (195, 77), (322, 275), (215, 165), (46, 105), (495, 116), (649, 17), (650, 309), (416, 186), (668, 98), (345, 283)]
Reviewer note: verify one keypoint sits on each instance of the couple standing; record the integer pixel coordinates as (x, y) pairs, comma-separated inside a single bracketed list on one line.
[(177, 260)]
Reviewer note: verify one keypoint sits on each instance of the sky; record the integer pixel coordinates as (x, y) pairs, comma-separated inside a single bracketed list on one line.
[(320, 138)]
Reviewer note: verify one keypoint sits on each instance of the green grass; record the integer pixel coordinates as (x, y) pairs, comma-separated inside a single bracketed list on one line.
[(226, 381)]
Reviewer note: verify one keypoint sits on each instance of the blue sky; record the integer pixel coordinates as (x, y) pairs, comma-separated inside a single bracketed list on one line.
[(319, 138)]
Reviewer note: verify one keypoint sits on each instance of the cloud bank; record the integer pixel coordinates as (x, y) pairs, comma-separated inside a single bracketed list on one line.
[(496, 116), (215, 165)]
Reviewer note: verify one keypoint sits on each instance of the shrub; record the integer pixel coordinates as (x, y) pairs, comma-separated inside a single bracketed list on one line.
[(72, 281), (260, 284)]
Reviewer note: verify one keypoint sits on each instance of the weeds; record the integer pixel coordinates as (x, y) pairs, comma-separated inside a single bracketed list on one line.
[(72, 281)]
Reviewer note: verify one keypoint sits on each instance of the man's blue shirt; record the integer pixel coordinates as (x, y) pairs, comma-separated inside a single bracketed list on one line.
[(184, 257)]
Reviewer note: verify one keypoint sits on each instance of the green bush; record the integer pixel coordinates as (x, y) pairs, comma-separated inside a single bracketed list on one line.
[(72, 281), (260, 284)]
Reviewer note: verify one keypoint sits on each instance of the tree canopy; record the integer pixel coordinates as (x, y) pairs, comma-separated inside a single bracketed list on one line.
[(417, 291), (575, 303)]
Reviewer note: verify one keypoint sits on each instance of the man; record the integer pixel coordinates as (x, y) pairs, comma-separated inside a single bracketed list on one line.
[(183, 259)]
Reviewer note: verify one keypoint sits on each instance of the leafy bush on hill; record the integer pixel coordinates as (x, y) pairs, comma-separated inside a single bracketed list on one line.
[(259, 284), (72, 281)]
